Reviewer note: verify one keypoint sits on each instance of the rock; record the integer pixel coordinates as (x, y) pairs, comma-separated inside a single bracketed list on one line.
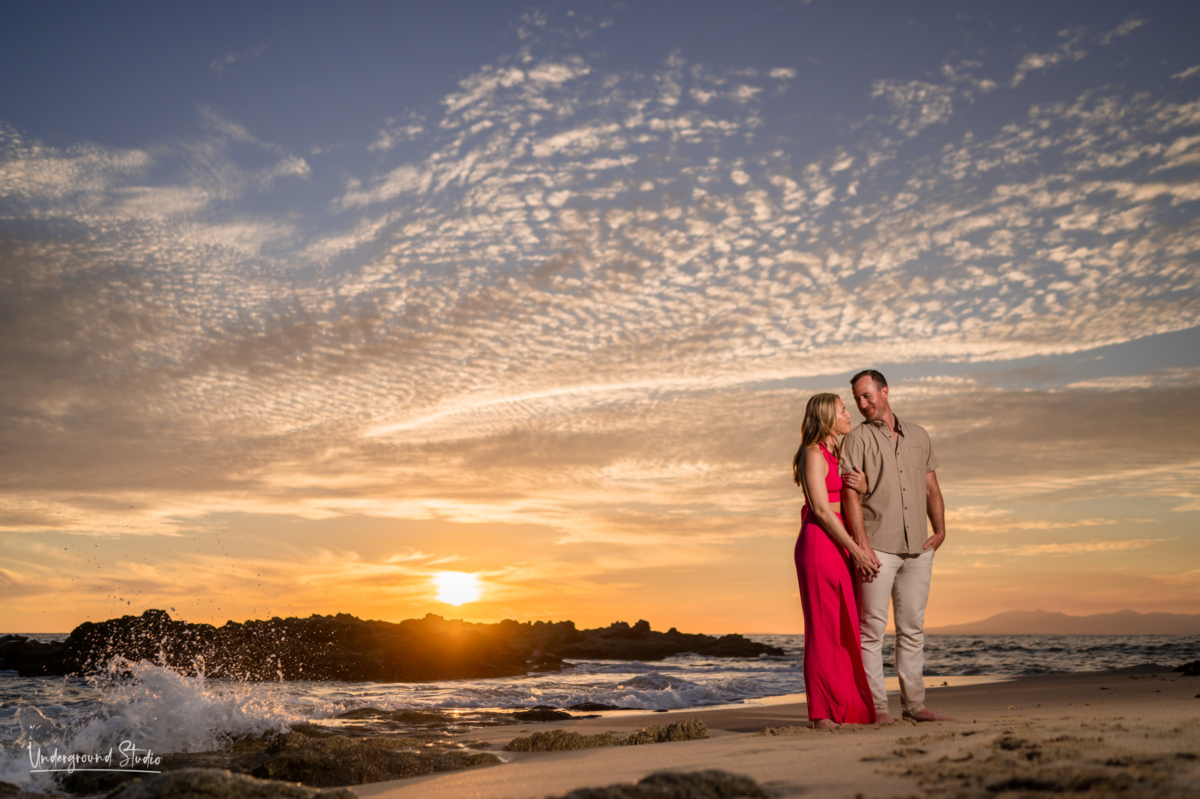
[(559, 741), (1190, 669), (686, 730), (619, 641), (343, 647), (84, 783), (31, 658), (592, 707), (326, 762), (203, 783), (11, 791), (542, 714), (668, 785), (412, 717)]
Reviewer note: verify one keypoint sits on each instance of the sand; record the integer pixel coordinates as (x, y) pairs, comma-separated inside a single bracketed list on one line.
[(1128, 733)]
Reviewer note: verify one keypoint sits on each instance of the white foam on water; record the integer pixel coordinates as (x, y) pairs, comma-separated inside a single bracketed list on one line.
[(153, 707)]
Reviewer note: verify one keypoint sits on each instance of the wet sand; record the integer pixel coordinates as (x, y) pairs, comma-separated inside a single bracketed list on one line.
[(1132, 733)]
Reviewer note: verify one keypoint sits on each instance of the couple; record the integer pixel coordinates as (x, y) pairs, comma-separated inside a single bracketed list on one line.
[(868, 519)]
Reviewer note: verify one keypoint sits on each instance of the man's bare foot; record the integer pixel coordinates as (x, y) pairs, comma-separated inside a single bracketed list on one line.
[(825, 724), (925, 714), (883, 718)]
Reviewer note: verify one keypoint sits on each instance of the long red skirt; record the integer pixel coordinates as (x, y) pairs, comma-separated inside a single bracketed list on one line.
[(833, 668)]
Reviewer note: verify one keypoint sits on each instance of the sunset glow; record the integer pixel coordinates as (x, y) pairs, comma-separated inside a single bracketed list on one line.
[(302, 305), (457, 588)]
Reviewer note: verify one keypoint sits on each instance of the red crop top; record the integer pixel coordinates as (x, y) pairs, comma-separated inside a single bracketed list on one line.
[(833, 480)]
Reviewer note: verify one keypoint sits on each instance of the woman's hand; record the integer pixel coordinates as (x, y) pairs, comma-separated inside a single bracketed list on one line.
[(866, 562), (855, 479)]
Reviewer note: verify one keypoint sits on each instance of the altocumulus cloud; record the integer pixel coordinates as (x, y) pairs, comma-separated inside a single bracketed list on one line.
[(570, 283)]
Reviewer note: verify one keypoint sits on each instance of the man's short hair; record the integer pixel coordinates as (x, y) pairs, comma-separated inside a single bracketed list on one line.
[(880, 380)]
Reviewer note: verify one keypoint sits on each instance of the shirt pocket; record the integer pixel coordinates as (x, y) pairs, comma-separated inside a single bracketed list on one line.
[(913, 464)]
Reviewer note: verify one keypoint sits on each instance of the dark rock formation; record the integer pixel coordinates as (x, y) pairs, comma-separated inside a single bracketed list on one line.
[(33, 658), (326, 762), (1189, 669), (10, 791), (558, 740), (543, 714), (315, 756), (619, 641), (592, 707), (218, 784), (669, 785), (686, 730), (343, 647)]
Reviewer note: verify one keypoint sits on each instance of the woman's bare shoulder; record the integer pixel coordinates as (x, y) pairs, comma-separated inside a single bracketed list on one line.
[(813, 454)]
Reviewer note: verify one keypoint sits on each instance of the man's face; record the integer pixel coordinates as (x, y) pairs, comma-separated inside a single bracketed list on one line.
[(872, 401)]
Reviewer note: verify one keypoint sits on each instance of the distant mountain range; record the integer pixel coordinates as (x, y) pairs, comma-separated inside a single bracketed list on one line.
[(1040, 622)]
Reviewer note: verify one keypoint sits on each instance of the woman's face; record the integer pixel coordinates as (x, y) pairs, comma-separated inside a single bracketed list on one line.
[(841, 425)]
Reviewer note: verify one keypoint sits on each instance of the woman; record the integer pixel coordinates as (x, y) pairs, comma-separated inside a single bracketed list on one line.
[(834, 679)]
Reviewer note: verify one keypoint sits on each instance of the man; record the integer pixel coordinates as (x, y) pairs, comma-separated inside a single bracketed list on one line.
[(889, 518)]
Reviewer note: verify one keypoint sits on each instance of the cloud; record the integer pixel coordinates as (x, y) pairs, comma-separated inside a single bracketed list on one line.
[(1187, 73), (1190, 577), (224, 65), (1072, 48), (917, 104), (572, 282), (395, 133), (1079, 547)]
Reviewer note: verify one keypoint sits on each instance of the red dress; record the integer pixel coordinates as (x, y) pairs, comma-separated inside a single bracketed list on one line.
[(833, 669)]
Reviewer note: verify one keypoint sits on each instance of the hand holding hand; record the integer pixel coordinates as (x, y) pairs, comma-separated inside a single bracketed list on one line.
[(855, 479), (866, 562)]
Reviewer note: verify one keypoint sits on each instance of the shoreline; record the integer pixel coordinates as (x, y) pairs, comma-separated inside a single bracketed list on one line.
[(1134, 730)]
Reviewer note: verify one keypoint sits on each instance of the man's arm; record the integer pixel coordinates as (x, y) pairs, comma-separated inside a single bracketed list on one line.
[(936, 508), (852, 515)]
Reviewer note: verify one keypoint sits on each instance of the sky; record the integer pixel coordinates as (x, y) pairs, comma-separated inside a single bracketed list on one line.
[(303, 305)]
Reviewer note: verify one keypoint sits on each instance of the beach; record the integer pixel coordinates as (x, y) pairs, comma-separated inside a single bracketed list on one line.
[(1133, 732)]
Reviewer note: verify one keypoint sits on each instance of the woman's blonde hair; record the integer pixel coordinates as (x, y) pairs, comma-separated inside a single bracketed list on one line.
[(820, 418)]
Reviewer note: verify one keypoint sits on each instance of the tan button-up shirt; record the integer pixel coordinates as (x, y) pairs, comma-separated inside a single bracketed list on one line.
[(894, 506)]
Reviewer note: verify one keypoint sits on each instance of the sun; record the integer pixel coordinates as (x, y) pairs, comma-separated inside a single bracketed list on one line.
[(457, 588)]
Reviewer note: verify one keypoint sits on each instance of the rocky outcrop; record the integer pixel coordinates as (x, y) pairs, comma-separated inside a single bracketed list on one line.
[(326, 762), (219, 784), (686, 730), (33, 658), (344, 647), (314, 756), (559, 740), (711, 784)]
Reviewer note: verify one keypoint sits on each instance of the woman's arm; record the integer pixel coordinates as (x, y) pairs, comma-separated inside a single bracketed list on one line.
[(815, 470)]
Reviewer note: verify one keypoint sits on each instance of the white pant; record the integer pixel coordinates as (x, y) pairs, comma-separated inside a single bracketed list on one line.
[(903, 581)]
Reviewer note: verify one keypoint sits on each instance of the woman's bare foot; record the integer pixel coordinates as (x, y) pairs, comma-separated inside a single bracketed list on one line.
[(825, 724)]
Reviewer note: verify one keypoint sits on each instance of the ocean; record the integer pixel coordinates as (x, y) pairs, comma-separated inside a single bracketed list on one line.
[(171, 712)]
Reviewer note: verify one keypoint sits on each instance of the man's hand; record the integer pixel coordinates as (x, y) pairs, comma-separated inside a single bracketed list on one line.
[(935, 541)]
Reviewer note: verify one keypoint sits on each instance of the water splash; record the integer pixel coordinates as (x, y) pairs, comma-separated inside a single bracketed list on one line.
[(154, 707)]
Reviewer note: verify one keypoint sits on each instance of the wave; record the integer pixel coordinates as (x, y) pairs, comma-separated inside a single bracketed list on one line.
[(159, 708)]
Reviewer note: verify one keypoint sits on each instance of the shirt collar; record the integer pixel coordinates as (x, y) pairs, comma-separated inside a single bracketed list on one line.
[(882, 425)]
